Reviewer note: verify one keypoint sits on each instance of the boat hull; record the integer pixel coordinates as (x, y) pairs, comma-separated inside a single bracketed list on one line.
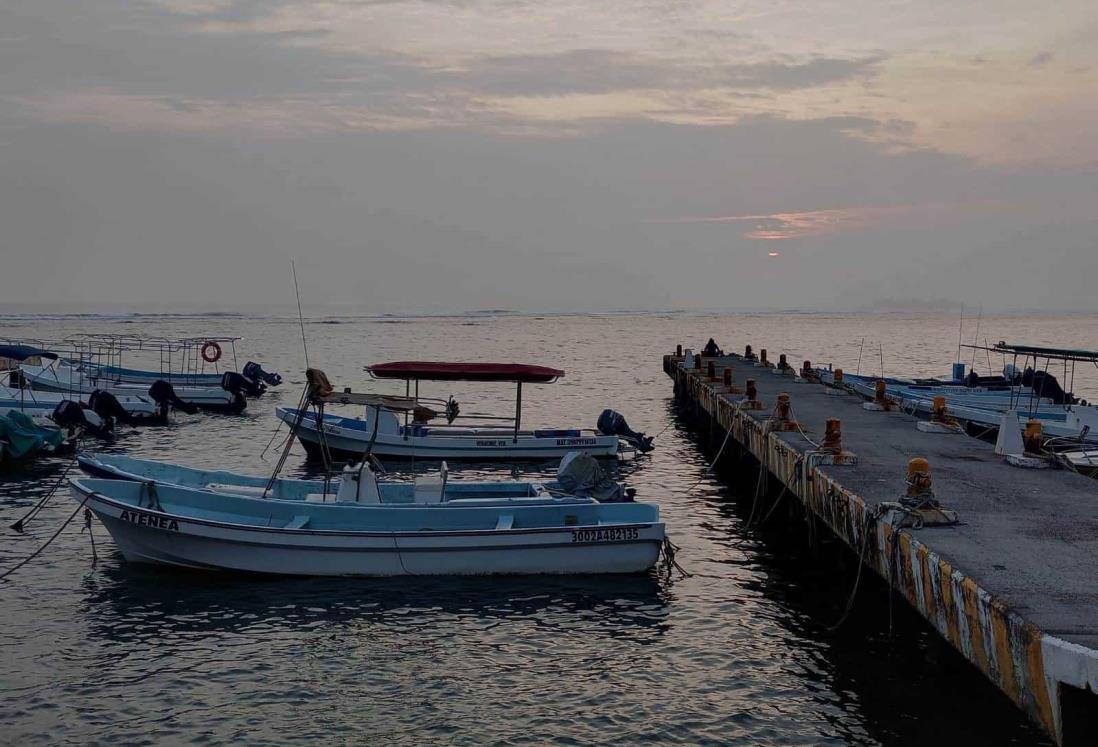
[(69, 381), (346, 439), (146, 536)]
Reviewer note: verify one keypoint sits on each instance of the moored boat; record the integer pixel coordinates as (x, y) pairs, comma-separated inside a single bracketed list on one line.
[(205, 529), (488, 437)]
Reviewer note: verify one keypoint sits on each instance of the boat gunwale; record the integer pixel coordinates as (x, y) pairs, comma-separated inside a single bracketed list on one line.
[(90, 494)]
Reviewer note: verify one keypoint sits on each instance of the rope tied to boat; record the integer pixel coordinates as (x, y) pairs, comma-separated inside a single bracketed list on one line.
[(21, 524), (47, 543), (149, 489), (91, 535), (669, 551)]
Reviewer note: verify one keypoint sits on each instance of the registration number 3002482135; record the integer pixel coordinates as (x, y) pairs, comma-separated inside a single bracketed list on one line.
[(612, 534)]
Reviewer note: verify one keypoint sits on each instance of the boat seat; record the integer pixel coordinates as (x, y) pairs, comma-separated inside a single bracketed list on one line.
[(429, 489), (298, 522), (246, 491), (506, 521)]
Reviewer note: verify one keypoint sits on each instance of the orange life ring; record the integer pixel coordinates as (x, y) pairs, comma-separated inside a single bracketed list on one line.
[(211, 352)]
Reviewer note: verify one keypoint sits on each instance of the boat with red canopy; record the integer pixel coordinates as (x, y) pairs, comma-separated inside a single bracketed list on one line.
[(478, 436)]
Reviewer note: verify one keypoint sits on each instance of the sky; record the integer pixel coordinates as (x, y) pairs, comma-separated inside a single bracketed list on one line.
[(445, 155)]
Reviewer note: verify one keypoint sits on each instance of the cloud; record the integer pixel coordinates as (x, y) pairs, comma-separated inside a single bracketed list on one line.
[(816, 223)]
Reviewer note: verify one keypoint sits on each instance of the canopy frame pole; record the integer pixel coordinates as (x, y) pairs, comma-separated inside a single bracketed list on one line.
[(407, 393), (518, 410)]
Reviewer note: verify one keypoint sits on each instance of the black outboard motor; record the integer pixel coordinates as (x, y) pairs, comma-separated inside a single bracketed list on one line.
[(231, 381), (613, 423), (1046, 385), (69, 414), (107, 406), (164, 395), (255, 372), (240, 388)]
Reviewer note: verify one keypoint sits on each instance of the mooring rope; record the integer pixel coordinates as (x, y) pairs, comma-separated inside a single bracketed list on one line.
[(20, 525), (47, 543)]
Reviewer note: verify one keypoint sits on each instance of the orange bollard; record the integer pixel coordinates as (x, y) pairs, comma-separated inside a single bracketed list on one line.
[(1033, 437), (728, 377), (833, 436), (918, 478), (711, 371)]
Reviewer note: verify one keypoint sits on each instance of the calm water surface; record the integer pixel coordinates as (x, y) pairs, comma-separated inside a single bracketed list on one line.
[(738, 653)]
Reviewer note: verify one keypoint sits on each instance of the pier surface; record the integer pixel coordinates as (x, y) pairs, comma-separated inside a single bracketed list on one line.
[(1013, 587)]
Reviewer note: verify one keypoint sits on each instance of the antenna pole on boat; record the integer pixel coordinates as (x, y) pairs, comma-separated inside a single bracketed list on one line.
[(300, 318), (518, 410), (960, 331), (860, 349), (976, 341)]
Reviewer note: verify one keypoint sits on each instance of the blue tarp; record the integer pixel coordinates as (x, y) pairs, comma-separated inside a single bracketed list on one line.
[(22, 352), (24, 437)]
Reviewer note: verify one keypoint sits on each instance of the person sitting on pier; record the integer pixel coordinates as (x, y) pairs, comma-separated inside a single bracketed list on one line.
[(711, 349)]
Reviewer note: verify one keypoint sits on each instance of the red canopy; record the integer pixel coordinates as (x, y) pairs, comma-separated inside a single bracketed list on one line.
[(443, 371)]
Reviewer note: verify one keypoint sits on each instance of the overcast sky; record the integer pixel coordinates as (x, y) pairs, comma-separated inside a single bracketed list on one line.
[(425, 155)]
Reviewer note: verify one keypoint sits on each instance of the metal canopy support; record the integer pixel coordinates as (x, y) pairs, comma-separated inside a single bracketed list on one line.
[(518, 410)]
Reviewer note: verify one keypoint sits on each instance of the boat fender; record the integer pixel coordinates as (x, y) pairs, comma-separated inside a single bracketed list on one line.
[(211, 352), (163, 394)]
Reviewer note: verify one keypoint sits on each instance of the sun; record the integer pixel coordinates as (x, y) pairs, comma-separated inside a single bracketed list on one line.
[(773, 254)]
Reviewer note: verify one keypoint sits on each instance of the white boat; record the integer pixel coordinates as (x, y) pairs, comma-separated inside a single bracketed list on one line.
[(122, 467), (489, 438), (65, 378), (135, 408), (205, 529)]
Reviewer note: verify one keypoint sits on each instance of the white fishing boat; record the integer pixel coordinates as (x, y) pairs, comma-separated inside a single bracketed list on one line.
[(182, 362), (488, 437), (63, 377), (419, 528)]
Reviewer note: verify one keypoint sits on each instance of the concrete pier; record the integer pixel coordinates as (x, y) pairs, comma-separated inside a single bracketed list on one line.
[(1013, 587)]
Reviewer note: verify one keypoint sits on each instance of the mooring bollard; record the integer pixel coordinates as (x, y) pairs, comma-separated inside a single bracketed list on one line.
[(881, 402), (728, 377), (833, 436), (711, 371), (918, 478), (678, 351)]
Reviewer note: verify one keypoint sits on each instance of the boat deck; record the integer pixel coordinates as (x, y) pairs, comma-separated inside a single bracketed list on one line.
[(1013, 587)]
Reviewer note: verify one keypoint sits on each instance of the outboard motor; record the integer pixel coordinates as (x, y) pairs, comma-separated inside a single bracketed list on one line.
[(255, 372), (579, 473), (613, 423), (1046, 385), (107, 406), (70, 416), (239, 387), (164, 395)]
